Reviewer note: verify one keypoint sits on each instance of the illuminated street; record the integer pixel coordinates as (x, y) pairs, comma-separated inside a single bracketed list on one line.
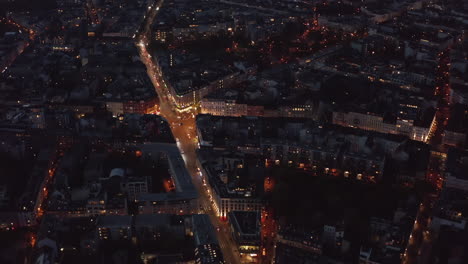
[(268, 236), (23, 46), (184, 130), (421, 234)]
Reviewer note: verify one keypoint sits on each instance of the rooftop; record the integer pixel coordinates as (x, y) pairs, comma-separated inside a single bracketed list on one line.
[(247, 223)]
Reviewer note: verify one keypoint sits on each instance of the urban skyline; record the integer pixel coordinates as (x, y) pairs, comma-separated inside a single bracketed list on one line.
[(234, 131)]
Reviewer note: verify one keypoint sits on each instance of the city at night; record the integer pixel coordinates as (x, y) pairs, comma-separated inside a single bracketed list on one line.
[(233, 131)]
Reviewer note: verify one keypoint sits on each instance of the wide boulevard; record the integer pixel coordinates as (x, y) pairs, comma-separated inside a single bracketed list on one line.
[(183, 128)]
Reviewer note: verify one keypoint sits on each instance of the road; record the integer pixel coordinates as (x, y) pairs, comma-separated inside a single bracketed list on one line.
[(442, 92), (420, 239), (268, 234), (20, 49), (184, 130)]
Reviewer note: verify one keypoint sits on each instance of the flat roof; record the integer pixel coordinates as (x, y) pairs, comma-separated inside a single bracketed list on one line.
[(183, 181)]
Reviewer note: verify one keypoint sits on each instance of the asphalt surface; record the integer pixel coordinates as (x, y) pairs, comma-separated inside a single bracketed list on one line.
[(184, 130)]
